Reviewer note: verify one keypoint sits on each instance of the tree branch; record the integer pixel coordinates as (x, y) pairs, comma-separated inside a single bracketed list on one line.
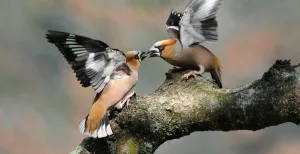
[(178, 108)]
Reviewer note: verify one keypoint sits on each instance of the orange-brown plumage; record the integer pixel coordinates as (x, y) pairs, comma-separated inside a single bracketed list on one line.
[(111, 95), (110, 72), (169, 50), (132, 61), (134, 64), (195, 57), (113, 92), (97, 112), (218, 65)]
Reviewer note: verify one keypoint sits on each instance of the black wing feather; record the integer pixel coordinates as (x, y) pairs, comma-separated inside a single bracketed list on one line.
[(93, 61)]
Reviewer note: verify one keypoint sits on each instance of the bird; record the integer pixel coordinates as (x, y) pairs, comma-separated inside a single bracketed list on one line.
[(187, 31), (110, 72)]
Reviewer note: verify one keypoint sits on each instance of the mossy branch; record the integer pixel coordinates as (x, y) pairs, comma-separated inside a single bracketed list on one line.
[(178, 108)]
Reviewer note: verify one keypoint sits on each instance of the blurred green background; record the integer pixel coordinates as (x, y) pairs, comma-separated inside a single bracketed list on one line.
[(41, 103)]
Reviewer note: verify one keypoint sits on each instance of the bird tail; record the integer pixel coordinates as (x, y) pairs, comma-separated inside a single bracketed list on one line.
[(96, 123), (216, 72)]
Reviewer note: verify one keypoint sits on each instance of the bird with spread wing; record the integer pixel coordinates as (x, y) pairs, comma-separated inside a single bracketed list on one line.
[(110, 72), (187, 31)]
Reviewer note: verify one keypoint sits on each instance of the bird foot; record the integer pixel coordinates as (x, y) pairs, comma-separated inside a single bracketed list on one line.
[(190, 74), (125, 102)]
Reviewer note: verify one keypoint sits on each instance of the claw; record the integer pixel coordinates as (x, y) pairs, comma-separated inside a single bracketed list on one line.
[(190, 74), (171, 70), (125, 102)]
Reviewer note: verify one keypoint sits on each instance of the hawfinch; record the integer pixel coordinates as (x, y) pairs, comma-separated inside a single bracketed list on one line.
[(110, 72), (187, 31)]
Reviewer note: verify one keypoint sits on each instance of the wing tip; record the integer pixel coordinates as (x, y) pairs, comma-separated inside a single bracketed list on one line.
[(174, 18), (52, 36)]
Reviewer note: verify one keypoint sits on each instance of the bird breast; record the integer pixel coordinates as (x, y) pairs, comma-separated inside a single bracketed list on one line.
[(192, 57), (117, 89)]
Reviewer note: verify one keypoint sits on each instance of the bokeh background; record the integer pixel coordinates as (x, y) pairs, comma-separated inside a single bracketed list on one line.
[(41, 103)]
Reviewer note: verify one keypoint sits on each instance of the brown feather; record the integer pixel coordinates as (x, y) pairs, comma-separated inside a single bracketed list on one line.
[(218, 65), (131, 61), (97, 112), (168, 52), (134, 64), (166, 42), (216, 72), (130, 55)]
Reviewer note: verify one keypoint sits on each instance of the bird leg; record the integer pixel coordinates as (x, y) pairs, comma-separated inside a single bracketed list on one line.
[(194, 73), (125, 102)]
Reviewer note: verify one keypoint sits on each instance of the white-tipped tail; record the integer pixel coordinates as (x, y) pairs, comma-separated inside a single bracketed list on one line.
[(102, 131)]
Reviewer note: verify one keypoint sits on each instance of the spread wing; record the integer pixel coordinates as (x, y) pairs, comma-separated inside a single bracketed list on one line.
[(93, 61), (172, 24), (197, 24)]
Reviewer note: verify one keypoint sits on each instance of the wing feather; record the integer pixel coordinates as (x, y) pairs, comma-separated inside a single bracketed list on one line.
[(93, 61), (197, 24)]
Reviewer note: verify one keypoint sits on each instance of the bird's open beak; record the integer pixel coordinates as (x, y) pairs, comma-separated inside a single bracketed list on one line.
[(143, 55), (153, 52)]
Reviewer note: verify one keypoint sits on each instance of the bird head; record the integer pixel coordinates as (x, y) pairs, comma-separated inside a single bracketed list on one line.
[(162, 48), (134, 58), (135, 55)]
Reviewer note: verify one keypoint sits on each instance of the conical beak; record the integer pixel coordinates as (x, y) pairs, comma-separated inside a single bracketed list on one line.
[(143, 55), (153, 52)]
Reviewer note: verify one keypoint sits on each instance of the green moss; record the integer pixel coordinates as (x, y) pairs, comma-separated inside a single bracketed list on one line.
[(80, 150), (126, 145), (133, 146)]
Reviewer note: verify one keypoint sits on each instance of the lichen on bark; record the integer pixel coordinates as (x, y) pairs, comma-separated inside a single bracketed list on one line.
[(179, 107)]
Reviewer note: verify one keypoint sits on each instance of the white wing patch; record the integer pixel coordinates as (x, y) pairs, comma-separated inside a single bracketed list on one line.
[(93, 61), (172, 27), (78, 49), (75, 46), (99, 67), (97, 63), (207, 10), (198, 22)]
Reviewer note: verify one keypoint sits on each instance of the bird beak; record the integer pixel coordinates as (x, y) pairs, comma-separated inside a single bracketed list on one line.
[(143, 55), (153, 52)]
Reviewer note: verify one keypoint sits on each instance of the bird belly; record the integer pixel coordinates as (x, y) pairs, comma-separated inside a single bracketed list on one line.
[(182, 60), (196, 56), (204, 58), (117, 89)]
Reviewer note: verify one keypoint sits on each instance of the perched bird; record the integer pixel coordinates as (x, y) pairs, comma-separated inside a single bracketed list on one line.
[(110, 72), (187, 31)]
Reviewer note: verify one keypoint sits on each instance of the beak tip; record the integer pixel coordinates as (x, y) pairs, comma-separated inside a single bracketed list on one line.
[(144, 55)]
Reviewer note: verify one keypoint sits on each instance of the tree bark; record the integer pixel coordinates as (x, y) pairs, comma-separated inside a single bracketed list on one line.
[(179, 107)]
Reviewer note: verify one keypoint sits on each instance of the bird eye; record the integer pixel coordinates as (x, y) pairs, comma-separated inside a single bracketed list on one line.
[(136, 57), (162, 47)]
